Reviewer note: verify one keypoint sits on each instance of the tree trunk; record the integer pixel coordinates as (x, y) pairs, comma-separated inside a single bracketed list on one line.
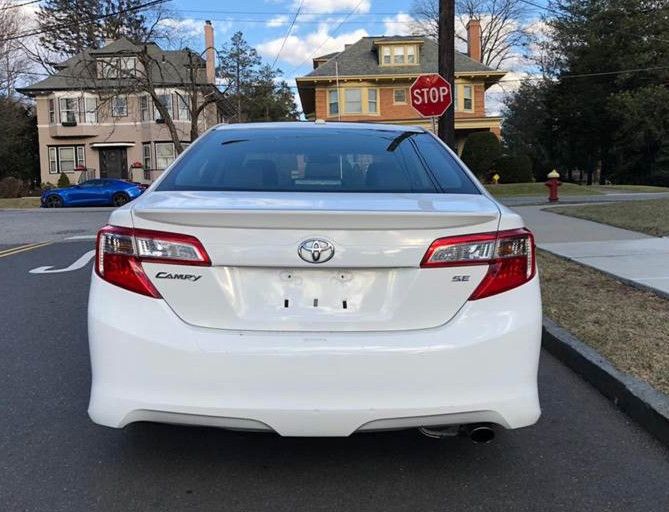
[(446, 128)]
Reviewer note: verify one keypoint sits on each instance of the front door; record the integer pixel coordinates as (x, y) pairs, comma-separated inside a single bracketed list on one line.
[(114, 163)]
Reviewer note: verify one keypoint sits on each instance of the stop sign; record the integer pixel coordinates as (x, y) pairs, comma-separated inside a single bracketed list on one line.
[(431, 95)]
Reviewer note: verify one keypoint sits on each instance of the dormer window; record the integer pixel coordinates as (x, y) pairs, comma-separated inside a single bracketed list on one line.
[(399, 55), (116, 67), (387, 54)]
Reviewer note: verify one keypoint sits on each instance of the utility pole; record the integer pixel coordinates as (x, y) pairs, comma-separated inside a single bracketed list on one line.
[(447, 66)]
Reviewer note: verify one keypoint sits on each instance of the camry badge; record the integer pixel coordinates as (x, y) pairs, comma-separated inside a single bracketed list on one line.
[(316, 250)]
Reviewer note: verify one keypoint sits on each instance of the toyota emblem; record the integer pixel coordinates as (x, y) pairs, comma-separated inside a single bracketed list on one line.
[(316, 250)]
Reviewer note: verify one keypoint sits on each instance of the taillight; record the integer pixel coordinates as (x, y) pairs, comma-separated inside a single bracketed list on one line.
[(120, 252), (508, 254)]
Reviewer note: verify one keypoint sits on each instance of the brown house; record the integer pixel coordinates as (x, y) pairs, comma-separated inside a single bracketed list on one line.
[(94, 121), (370, 80)]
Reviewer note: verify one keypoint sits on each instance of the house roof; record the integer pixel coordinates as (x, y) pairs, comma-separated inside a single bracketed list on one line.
[(80, 71), (361, 58), (327, 56)]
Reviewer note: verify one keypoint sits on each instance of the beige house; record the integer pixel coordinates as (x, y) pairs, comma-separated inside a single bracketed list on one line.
[(96, 117), (370, 79)]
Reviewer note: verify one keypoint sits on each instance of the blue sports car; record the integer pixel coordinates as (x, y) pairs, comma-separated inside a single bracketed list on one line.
[(100, 192)]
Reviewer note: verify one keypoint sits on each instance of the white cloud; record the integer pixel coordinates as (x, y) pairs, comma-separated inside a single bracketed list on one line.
[(399, 25), (184, 28), (326, 6), (189, 32), (298, 49), (277, 21)]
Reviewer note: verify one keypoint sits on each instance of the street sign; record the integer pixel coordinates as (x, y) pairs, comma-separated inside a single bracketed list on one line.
[(431, 95)]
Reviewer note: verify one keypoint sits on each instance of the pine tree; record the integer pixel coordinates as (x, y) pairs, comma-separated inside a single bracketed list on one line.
[(266, 99), (72, 26), (238, 67)]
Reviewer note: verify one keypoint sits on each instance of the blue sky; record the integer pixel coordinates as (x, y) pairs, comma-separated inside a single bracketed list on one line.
[(327, 24), (323, 26)]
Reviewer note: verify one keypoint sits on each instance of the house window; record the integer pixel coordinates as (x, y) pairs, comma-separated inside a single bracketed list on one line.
[(166, 101), (456, 108), (53, 160), (128, 66), (387, 54), (398, 55), (165, 154), (183, 108), (468, 102), (399, 96), (81, 158), (411, 54), (91, 109), (69, 110), (66, 158), (353, 101), (52, 111), (119, 106), (116, 67), (372, 101), (145, 108), (333, 101), (146, 156)]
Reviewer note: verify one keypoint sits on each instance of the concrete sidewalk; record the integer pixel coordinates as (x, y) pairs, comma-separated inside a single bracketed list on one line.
[(629, 255)]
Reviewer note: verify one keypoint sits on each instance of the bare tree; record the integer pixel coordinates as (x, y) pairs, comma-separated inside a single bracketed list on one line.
[(183, 75), (13, 61), (502, 28)]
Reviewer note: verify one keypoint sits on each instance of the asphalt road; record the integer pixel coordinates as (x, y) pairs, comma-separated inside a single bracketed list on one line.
[(583, 455)]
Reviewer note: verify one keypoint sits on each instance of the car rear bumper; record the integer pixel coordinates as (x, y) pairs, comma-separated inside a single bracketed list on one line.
[(148, 365)]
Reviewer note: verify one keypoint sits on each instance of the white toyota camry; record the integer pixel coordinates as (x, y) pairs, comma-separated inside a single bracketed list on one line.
[(316, 279)]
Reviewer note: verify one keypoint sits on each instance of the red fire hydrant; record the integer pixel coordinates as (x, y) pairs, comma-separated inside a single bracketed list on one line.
[(553, 183)]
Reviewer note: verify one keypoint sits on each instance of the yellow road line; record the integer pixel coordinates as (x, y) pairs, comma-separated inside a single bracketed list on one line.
[(22, 248), (12, 249)]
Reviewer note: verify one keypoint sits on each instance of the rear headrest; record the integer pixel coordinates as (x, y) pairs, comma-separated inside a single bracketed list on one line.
[(267, 168), (322, 166), (387, 175), (255, 174)]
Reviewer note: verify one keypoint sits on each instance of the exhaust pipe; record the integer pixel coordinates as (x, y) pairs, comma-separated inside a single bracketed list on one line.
[(480, 433)]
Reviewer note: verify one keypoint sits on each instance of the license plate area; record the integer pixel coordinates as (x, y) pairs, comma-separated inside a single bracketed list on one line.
[(321, 291)]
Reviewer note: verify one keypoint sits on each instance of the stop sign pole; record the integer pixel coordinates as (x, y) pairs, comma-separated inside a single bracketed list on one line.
[(431, 96)]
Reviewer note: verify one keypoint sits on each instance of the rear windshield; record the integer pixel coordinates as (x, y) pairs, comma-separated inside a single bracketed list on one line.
[(315, 160)]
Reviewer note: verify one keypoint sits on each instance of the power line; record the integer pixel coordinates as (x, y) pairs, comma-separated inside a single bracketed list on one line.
[(15, 6), (278, 13), (539, 6), (98, 17), (290, 29)]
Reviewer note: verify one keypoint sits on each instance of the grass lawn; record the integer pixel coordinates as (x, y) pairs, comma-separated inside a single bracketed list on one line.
[(650, 217), (20, 202), (630, 188), (626, 325)]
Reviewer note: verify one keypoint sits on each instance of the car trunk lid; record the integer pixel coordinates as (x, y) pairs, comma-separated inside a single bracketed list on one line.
[(259, 281)]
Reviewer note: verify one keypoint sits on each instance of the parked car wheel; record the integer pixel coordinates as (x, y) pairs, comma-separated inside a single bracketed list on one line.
[(54, 201), (120, 199)]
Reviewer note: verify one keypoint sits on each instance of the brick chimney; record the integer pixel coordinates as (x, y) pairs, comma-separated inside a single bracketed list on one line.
[(474, 39), (210, 52)]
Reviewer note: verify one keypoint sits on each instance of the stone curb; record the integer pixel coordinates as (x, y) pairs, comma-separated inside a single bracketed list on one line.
[(640, 401)]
